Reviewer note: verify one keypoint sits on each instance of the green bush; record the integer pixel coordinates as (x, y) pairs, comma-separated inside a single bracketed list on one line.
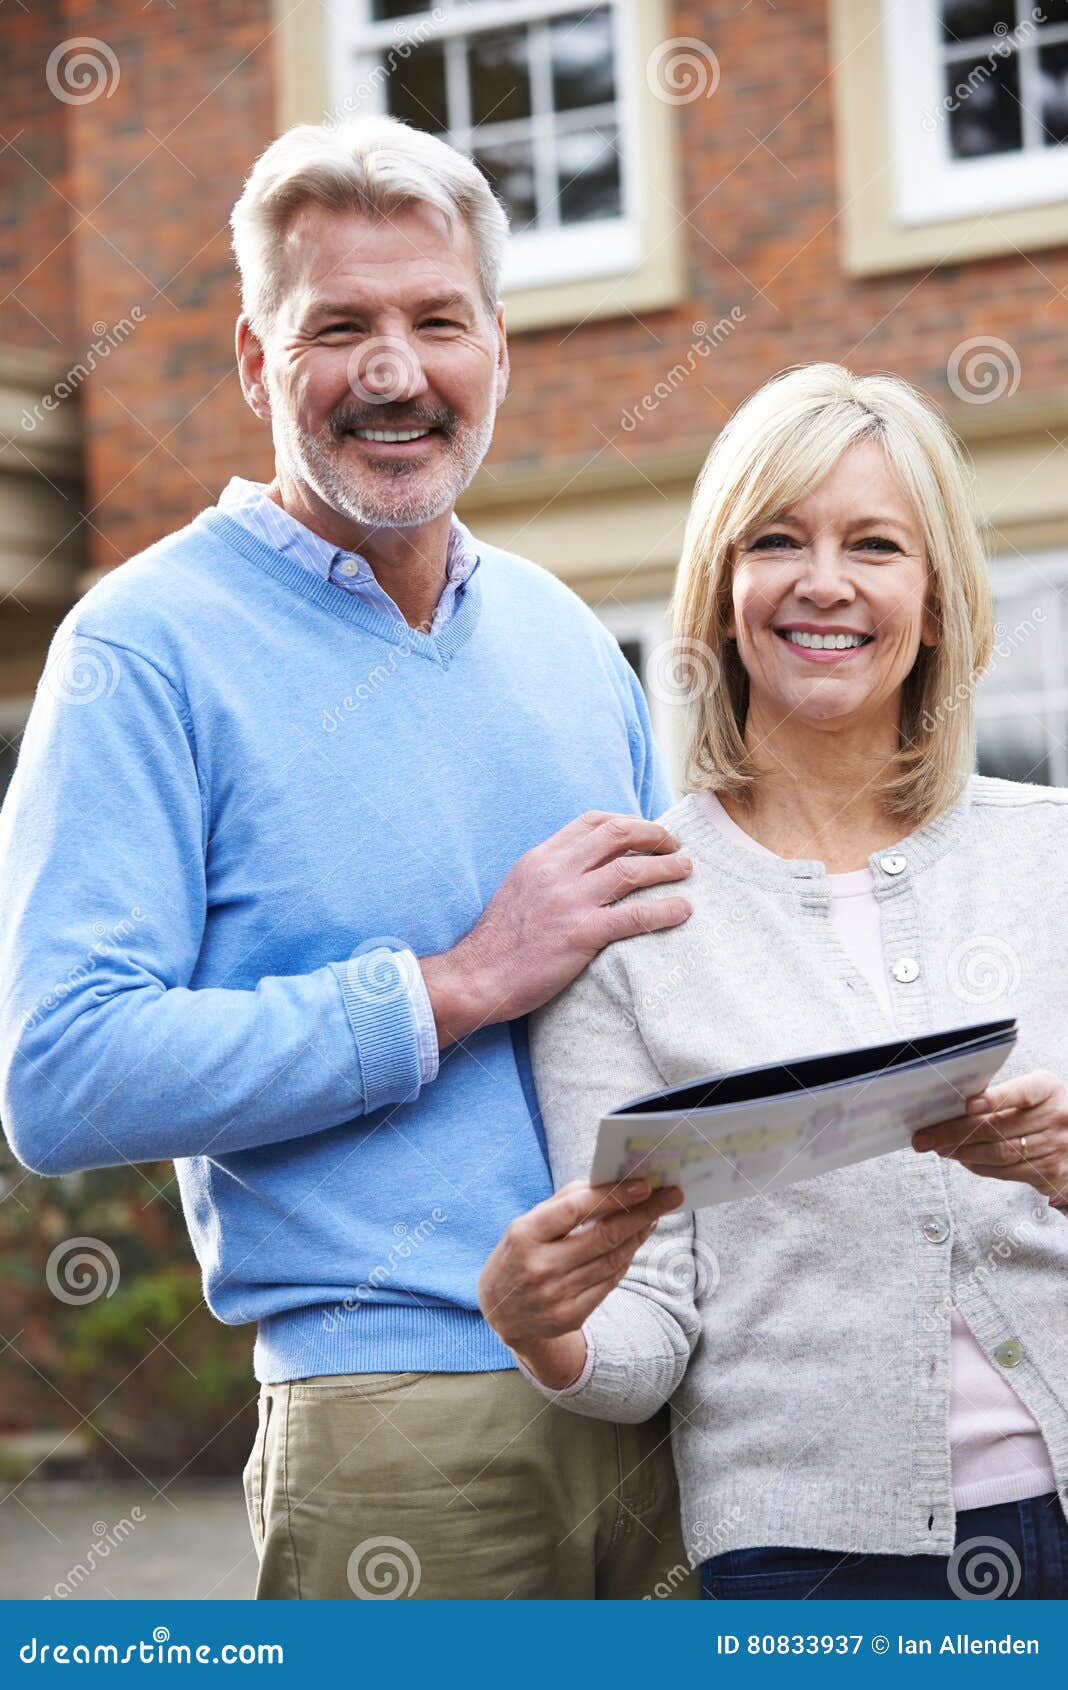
[(127, 1343)]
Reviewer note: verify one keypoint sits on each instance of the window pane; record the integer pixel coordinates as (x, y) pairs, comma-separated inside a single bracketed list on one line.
[(1053, 71), (1014, 749), (963, 19), (984, 113), (1053, 12), (588, 174), (381, 9), (583, 69), (509, 165), (415, 89), (632, 651), (500, 76)]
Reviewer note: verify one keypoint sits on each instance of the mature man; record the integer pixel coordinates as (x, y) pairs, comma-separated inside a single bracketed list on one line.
[(352, 793)]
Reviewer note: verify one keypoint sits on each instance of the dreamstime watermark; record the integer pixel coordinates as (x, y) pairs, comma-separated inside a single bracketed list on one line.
[(105, 1539), (1005, 644), (982, 369), (680, 670), (705, 339), (409, 37), (1009, 41), (410, 1241), (80, 1270), (107, 940), (984, 1569), (80, 69), (682, 70), (983, 969), (683, 1266), (382, 370), (383, 1569), (707, 1541), (367, 689), (715, 941), (1009, 1238), (101, 347), (81, 671)]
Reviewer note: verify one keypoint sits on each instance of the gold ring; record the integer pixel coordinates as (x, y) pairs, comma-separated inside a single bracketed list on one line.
[(1023, 1148)]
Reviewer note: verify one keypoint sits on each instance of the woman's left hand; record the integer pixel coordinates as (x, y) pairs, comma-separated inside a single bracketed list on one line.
[(1016, 1130)]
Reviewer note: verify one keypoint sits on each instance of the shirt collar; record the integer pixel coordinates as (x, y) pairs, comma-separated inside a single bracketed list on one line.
[(288, 535)]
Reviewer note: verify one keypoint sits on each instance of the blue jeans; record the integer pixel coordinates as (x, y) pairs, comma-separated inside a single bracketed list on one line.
[(1015, 1551)]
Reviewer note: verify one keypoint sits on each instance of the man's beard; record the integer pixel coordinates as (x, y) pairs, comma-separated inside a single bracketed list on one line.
[(392, 493)]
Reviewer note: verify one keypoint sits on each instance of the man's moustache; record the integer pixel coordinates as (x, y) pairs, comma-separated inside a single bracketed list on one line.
[(348, 422)]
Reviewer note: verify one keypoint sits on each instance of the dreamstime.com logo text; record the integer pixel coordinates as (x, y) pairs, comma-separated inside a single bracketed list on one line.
[(160, 1651)]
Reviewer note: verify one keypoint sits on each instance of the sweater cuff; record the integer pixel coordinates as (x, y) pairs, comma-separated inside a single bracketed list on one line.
[(423, 1012), (378, 1003), (576, 1384)]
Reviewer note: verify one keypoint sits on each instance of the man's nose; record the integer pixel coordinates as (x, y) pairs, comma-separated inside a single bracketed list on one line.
[(387, 370)]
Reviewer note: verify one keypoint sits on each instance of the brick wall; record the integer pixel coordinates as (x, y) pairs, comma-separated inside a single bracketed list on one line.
[(763, 236), (154, 168)]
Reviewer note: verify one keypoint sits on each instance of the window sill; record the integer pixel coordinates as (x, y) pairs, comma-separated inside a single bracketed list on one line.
[(875, 240)]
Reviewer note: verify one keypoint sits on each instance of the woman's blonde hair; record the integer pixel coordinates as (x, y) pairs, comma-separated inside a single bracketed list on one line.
[(777, 447), (376, 165)]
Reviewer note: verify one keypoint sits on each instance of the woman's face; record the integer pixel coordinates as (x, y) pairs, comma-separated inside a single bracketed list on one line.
[(849, 558)]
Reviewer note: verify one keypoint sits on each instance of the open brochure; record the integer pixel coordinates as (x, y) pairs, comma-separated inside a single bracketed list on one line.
[(744, 1133)]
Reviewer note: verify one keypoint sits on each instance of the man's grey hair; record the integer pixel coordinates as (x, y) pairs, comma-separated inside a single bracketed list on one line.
[(375, 165)]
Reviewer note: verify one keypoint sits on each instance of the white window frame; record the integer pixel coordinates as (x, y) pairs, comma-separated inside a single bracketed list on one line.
[(598, 247), (1046, 575), (648, 623), (929, 184)]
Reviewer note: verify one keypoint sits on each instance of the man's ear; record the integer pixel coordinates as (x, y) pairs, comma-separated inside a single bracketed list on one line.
[(503, 364), (249, 351)]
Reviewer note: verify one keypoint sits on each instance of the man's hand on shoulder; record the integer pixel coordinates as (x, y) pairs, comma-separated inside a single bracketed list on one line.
[(554, 911)]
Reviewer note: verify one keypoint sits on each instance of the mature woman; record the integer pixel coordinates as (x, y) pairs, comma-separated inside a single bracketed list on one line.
[(868, 1370)]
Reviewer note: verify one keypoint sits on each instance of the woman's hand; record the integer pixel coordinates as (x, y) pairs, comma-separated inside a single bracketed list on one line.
[(545, 1277), (1016, 1130)]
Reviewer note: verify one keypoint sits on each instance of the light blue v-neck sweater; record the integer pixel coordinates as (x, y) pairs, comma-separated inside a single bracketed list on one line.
[(238, 790)]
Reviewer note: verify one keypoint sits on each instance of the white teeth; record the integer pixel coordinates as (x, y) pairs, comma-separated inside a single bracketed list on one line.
[(391, 435), (825, 642)]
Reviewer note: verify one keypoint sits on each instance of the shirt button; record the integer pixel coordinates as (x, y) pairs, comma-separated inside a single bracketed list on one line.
[(906, 968), (350, 567), (935, 1228), (1009, 1353), (894, 863)]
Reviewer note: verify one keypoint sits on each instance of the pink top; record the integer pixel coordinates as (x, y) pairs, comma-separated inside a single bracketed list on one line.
[(998, 1452)]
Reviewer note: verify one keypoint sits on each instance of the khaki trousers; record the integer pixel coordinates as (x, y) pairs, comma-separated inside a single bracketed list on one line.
[(446, 1485)]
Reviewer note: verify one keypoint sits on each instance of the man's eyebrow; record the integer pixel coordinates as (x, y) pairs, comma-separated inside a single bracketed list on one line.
[(346, 309)]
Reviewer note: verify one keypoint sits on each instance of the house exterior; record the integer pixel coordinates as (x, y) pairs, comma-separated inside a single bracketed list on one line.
[(703, 192)]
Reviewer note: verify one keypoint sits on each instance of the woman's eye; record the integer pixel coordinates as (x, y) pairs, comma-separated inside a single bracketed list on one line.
[(877, 543), (773, 543)]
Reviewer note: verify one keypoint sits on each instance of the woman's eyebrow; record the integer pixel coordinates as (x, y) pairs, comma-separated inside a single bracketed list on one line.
[(878, 522)]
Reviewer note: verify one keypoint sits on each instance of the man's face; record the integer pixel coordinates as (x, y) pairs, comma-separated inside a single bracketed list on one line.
[(383, 368)]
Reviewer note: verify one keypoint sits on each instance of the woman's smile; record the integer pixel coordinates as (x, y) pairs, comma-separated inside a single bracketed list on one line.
[(823, 644)]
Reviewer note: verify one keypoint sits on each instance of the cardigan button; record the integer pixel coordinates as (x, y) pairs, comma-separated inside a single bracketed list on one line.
[(935, 1228), (894, 863), (1009, 1353), (906, 968)]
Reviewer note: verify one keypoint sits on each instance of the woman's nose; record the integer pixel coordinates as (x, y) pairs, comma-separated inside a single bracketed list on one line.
[(825, 576)]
